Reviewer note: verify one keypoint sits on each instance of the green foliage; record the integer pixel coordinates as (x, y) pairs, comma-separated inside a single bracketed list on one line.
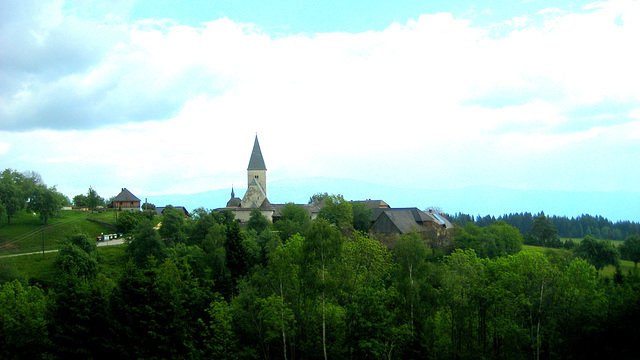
[(257, 221), (294, 220), (148, 206), (498, 239), (172, 228), (361, 216), (12, 193), (81, 200), (224, 217), (74, 261), (337, 211), (630, 249), (128, 221), (45, 202), (598, 253), (93, 199), (237, 256), (220, 340), (23, 321), (318, 198), (318, 294), (145, 243), (81, 318), (543, 233), (157, 313), (82, 241)]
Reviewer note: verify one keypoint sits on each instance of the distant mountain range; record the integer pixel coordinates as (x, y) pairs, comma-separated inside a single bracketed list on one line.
[(473, 200)]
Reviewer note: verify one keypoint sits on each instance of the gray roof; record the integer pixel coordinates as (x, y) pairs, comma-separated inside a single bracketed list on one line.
[(404, 220), (401, 217), (256, 162), (266, 205), (125, 195), (372, 204)]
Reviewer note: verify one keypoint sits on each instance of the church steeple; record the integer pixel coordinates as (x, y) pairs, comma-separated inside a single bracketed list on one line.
[(256, 178), (256, 162)]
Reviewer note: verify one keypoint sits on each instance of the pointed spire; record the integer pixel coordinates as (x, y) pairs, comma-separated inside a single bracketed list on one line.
[(256, 162), (232, 193)]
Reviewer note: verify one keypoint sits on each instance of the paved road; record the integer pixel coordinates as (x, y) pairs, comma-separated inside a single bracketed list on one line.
[(101, 243)]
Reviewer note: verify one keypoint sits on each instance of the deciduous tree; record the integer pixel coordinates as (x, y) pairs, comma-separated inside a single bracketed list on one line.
[(630, 249), (598, 253)]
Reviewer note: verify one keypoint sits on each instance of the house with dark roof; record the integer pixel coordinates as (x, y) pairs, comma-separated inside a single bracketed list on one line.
[(406, 220), (125, 201), (182, 209)]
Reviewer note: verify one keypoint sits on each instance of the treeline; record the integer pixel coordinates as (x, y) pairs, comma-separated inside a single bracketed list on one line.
[(579, 227), (21, 191), (317, 289)]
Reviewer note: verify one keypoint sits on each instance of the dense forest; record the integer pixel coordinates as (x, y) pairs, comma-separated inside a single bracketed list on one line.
[(204, 287), (585, 225)]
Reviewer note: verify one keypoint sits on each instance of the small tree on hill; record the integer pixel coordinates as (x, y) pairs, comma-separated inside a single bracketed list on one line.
[(543, 233), (630, 249), (597, 253)]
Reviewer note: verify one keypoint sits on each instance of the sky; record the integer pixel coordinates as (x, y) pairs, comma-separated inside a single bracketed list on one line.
[(165, 97)]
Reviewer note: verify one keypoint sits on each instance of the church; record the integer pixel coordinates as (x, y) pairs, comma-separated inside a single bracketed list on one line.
[(384, 219), (256, 195)]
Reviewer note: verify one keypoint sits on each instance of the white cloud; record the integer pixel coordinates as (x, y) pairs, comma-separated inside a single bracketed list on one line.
[(175, 107), (4, 148)]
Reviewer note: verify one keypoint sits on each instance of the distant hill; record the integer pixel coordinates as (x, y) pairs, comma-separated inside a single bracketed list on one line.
[(473, 200)]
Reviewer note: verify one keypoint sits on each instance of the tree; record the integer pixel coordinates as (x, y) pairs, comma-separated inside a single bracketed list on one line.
[(128, 221), (597, 253), (46, 202), (145, 243), (410, 254), (160, 313), (361, 216), (294, 219), (148, 206), (337, 211), (321, 249), (630, 249), (81, 320), (12, 195), (93, 199), (543, 233), (23, 321), (172, 228), (236, 255), (318, 198), (74, 261), (257, 221), (80, 200), (220, 341)]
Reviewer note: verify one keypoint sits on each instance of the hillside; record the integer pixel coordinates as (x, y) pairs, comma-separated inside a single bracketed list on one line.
[(27, 234)]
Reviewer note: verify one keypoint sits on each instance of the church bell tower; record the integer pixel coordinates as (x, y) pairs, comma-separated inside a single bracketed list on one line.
[(257, 170)]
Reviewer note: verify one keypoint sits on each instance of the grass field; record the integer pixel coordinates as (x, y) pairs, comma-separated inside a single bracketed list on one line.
[(625, 266), (26, 233), (40, 268)]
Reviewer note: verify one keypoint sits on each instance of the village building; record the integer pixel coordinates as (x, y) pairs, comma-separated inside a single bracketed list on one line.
[(256, 195), (125, 201), (183, 210), (384, 219)]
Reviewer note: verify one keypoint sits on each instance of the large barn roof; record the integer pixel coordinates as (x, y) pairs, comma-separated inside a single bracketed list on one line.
[(126, 195)]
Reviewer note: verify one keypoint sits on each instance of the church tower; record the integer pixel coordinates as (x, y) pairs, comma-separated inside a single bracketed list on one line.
[(257, 170), (256, 179)]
